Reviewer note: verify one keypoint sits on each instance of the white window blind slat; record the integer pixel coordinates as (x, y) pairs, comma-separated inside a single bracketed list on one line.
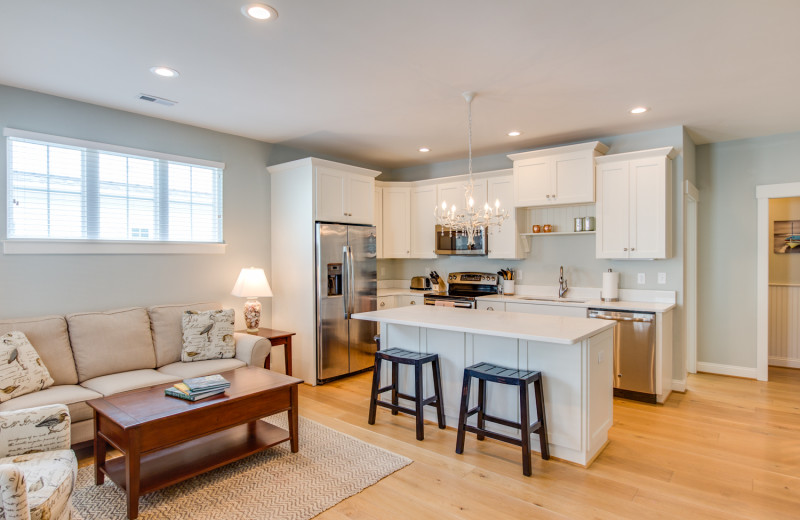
[(58, 190)]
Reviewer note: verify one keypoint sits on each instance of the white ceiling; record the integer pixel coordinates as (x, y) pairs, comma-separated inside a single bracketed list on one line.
[(373, 80)]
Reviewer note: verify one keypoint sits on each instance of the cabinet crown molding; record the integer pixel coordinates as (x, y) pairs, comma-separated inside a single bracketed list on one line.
[(667, 151), (313, 161), (591, 145)]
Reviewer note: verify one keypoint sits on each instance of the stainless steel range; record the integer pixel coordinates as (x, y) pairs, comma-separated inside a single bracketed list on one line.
[(463, 289)]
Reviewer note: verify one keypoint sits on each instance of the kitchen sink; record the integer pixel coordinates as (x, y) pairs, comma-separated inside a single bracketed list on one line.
[(545, 299)]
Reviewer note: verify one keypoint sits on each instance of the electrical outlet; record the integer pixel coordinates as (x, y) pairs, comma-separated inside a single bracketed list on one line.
[(662, 278), (518, 275), (601, 356), (640, 279)]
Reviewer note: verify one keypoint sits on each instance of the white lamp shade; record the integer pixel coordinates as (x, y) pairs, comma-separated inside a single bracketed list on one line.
[(252, 283)]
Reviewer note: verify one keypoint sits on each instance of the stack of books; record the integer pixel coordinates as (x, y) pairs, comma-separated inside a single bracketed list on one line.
[(198, 388)]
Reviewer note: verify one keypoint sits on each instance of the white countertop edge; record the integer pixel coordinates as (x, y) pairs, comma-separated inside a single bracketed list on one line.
[(448, 318), (594, 303)]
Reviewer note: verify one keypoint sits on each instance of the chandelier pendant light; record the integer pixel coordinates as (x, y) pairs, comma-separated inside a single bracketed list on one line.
[(468, 220)]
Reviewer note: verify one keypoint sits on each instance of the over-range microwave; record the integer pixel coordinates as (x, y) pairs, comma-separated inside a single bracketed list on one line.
[(449, 242)]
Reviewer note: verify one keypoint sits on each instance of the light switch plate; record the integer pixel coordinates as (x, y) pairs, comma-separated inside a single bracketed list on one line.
[(640, 279), (662, 278)]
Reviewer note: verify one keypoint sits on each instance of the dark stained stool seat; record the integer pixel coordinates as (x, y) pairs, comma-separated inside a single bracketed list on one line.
[(484, 372), (397, 357)]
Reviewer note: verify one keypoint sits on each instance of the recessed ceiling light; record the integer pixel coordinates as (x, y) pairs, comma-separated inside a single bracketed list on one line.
[(639, 110), (514, 133), (164, 72), (259, 12), (424, 149)]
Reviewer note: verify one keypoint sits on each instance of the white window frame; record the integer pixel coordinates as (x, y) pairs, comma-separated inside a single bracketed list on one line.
[(43, 246)]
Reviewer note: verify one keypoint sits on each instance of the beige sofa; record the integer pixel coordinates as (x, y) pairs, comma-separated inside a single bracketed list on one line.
[(95, 354)]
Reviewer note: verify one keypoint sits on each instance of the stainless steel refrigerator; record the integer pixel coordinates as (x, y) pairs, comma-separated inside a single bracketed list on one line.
[(346, 284)]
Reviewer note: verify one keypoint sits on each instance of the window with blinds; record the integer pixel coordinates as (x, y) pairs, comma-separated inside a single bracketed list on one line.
[(60, 188)]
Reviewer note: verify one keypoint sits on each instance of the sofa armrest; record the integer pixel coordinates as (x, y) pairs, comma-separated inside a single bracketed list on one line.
[(44, 428), (13, 493), (252, 349)]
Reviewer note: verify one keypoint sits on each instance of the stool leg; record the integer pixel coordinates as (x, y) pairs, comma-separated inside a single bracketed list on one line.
[(437, 389), (481, 406), (418, 400), (373, 398), (543, 442), (462, 413), (525, 429), (395, 383)]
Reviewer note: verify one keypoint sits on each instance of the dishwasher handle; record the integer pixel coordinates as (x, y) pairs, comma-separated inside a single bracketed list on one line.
[(610, 317)]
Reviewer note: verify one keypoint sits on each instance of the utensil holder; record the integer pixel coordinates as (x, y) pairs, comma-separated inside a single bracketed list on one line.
[(508, 287)]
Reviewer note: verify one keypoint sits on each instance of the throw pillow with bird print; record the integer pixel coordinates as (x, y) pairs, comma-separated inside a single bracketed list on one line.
[(21, 369), (208, 335)]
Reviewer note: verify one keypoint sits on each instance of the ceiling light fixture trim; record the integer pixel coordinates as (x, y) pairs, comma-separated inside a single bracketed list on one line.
[(424, 149), (514, 133), (164, 72), (639, 110), (259, 12)]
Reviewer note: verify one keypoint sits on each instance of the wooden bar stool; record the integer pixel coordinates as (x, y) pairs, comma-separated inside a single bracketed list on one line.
[(397, 357), (484, 372)]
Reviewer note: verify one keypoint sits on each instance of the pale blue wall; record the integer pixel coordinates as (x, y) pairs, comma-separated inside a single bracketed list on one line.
[(32, 285), (727, 176)]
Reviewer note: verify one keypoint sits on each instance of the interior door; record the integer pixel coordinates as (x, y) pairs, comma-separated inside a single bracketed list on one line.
[(332, 333), (365, 296)]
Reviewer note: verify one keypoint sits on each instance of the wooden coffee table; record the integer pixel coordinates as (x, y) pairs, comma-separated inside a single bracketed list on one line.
[(165, 440)]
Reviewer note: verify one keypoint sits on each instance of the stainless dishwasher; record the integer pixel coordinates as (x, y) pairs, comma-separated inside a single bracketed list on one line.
[(634, 353)]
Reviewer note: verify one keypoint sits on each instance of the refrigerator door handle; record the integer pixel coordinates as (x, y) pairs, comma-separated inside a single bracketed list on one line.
[(346, 281), (351, 278)]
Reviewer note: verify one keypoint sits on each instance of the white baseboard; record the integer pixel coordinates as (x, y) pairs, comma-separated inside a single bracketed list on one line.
[(678, 385), (727, 370), (784, 362)]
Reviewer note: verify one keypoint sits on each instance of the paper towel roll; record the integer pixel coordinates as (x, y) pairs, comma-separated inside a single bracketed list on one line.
[(610, 287)]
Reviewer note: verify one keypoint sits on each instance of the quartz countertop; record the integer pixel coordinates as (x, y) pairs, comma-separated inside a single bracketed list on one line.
[(595, 303), (532, 327)]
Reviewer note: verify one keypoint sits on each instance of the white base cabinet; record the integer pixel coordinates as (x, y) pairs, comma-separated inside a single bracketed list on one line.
[(634, 205)]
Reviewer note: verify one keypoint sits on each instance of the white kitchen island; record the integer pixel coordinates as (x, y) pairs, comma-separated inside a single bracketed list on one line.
[(574, 356)]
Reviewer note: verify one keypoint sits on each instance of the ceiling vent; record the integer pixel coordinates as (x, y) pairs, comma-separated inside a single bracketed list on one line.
[(156, 99)]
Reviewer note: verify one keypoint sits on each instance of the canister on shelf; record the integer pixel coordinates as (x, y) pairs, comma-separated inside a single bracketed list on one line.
[(578, 224), (588, 223)]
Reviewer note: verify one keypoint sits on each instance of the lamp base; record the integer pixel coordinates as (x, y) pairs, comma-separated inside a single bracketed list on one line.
[(252, 314)]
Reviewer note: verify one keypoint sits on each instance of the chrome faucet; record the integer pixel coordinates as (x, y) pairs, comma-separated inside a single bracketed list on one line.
[(562, 283)]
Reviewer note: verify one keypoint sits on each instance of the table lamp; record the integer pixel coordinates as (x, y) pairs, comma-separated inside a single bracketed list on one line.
[(252, 284)]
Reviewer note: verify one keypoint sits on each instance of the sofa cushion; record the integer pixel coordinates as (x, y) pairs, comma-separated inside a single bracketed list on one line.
[(74, 396), (48, 335), (21, 368), (201, 368), (208, 335), (124, 381), (111, 342), (165, 324)]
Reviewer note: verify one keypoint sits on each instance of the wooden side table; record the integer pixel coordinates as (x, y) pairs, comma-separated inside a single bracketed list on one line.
[(277, 337)]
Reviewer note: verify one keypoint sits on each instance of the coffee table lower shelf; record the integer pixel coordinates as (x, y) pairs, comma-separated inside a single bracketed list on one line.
[(177, 463)]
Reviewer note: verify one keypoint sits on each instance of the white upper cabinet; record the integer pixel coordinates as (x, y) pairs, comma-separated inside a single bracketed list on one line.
[(397, 222), (634, 204), (344, 196), (555, 176), (379, 222), (453, 193), (504, 242), (423, 222)]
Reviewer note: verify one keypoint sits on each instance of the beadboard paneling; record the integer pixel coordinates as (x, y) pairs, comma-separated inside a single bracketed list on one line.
[(784, 325)]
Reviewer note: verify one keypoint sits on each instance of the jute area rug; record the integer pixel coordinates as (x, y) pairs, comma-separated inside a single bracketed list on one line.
[(273, 484)]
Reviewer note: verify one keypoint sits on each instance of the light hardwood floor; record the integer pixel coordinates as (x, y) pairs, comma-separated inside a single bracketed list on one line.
[(728, 448)]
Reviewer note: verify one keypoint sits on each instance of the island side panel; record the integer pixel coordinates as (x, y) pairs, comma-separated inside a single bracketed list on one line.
[(600, 396), (451, 347), (501, 400)]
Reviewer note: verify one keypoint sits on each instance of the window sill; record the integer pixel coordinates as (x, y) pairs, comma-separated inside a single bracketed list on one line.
[(104, 247)]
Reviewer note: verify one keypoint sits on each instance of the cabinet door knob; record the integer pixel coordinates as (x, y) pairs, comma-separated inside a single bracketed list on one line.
[(383, 304), (633, 249), (548, 196), (413, 302), (489, 308), (624, 248)]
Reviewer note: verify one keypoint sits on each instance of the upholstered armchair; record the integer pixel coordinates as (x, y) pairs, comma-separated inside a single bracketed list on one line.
[(38, 469)]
